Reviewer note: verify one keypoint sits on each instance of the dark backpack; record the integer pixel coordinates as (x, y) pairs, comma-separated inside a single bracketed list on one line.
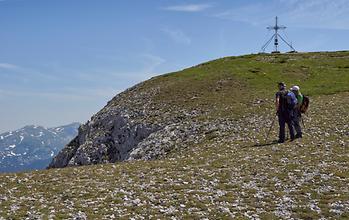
[(287, 101), (305, 104), (283, 103)]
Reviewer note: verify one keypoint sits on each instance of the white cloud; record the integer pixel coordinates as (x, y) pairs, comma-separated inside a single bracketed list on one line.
[(150, 62), (177, 35), (107, 81), (148, 66), (325, 14), (144, 66), (67, 94), (23, 73), (8, 66), (188, 7)]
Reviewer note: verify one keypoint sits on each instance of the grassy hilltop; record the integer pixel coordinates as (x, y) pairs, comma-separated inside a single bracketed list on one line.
[(231, 174)]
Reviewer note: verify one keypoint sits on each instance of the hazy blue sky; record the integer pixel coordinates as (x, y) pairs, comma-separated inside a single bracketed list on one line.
[(62, 60)]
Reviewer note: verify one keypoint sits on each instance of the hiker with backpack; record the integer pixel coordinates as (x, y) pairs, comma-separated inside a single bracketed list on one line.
[(297, 113), (285, 103)]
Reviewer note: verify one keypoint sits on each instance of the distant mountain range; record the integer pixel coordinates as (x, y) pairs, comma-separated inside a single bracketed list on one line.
[(33, 147)]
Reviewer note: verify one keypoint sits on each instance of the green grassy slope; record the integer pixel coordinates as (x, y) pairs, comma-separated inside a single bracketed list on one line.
[(228, 85), (234, 173)]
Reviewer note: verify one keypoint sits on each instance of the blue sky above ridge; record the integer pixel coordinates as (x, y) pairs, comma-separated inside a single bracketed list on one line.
[(61, 61)]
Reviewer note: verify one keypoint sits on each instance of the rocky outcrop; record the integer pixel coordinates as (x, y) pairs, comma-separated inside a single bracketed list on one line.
[(106, 138), (126, 128)]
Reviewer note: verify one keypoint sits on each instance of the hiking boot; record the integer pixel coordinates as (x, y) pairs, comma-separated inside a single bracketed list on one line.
[(281, 141), (292, 138), (298, 136)]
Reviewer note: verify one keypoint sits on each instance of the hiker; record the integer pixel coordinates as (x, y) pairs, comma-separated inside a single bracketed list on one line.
[(297, 113), (285, 102)]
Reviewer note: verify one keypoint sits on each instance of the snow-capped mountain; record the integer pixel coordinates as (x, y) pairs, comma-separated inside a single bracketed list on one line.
[(33, 147)]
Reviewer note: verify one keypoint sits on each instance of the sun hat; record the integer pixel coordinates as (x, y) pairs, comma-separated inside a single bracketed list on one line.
[(295, 88)]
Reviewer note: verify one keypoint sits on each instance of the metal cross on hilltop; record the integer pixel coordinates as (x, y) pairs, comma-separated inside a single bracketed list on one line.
[(276, 37)]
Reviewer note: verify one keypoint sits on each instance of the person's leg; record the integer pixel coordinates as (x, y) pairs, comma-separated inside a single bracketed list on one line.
[(291, 129), (297, 125), (281, 128)]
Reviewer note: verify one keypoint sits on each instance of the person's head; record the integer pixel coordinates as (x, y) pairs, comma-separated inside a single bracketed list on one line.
[(295, 89), (282, 86)]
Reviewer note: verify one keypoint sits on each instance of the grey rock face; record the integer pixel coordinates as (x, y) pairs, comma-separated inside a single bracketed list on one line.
[(103, 140), (112, 134)]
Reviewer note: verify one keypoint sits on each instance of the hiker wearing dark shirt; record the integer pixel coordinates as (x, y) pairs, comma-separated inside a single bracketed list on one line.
[(297, 113), (285, 102)]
